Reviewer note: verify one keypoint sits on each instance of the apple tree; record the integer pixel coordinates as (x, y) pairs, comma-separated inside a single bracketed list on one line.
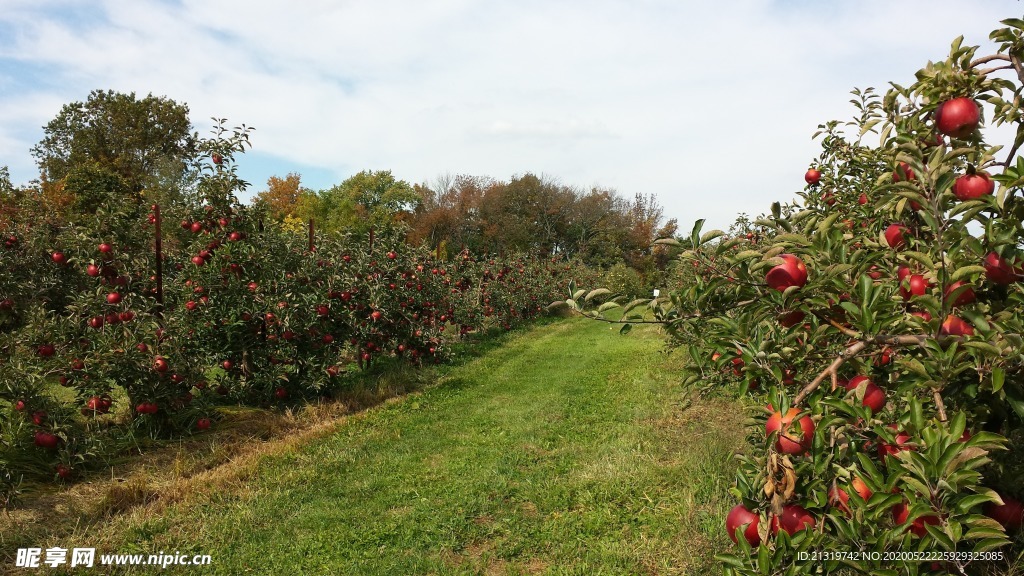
[(874, 326)]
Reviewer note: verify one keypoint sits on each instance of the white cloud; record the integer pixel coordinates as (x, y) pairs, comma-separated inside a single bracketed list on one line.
[(709, 106)]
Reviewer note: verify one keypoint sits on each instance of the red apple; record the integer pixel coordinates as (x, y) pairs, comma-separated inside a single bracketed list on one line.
[(903, 173), (739, 517), (1010, 514), (792, 318), (958, 117), (918, 286), (874, 397), (198, 260), (792, 272), (793, 519), (46, 440), (896, 235), (965, 297), (840, 497), (45, 350), (973, 186), (862, 199), (923, 315), (901, 513), (59, 258), (96, 405), (113, 298), (955, 326), (160, 364), (106, 248), (235, 236), (63, 471), (812, 176), (791, 441), (281, 393), (92, 270), (203, 424), (998, 270), (902, 440), (227, 364), (217, 158)]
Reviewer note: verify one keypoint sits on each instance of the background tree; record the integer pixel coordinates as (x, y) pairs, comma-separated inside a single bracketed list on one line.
[(369, 199), (282, 196), (147, 143)]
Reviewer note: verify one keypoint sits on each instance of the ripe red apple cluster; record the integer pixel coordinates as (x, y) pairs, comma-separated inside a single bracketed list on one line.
[(866, 389)]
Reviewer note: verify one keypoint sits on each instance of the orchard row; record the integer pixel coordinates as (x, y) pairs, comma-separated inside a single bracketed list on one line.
[(99, 337), (875, 326)]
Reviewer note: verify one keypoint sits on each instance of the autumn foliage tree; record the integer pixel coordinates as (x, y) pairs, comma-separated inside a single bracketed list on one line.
[(282, 196)]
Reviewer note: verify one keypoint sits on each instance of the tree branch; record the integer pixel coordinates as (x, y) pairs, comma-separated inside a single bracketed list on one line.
[(939, 404), (990, 58), (988, 71), (1015, 61), (855, 349)]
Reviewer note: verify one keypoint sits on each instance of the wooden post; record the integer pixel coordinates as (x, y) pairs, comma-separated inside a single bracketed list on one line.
[(159, 247)]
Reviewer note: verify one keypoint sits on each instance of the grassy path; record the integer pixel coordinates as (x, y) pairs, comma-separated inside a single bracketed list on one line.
[(568, 450)]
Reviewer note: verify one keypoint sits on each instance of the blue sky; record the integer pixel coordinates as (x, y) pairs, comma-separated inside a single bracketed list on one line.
[(709, 106)]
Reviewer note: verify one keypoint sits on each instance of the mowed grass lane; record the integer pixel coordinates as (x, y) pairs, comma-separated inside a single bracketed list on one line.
[(568, 450)]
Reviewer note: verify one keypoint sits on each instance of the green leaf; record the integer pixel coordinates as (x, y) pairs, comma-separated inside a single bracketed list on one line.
[(608, 306), (966, 271), (626, 328), (989, 544), (578, 294), (695, 233), (924, 259), (826, 224), (998, 377), (711, 235), (746, 255), (792, 239), (667, 242), (984, 347), (634, 304), (597, 292)]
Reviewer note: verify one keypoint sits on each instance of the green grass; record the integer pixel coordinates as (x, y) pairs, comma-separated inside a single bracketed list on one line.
[(568, 450)]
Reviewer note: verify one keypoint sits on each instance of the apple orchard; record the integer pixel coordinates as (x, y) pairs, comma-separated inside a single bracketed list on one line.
[(875, 327), (136, 322)]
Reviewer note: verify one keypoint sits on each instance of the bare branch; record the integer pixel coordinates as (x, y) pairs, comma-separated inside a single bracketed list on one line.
[(990, 58), (939, 404), (853, 351), (988, 71)]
